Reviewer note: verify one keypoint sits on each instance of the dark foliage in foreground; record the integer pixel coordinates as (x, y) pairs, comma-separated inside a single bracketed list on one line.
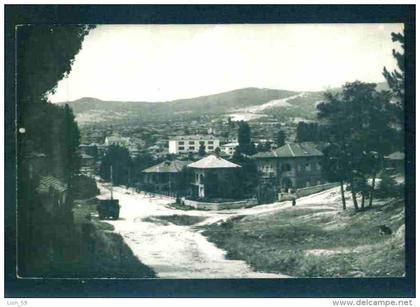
[(48, 161)]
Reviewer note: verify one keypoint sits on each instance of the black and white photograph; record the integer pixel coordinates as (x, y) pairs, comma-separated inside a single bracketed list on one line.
[(263, 151)]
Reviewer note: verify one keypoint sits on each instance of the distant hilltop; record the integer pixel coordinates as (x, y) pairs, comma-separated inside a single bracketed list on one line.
[(301, 104)]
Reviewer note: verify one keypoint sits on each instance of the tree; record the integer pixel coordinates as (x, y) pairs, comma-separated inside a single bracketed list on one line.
[(359, 124), (72, 137), (44, 54), (140, 163), (307, 132), (244, 139), (119, 159), (335, 167), (396, 78), (202, 150), (396, 82), (248, 177), (280, 138)]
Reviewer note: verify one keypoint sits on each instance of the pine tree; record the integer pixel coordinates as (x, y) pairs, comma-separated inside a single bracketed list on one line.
[(280, 138), (359, 125), (244, 138), (396, 78), (202, 150)]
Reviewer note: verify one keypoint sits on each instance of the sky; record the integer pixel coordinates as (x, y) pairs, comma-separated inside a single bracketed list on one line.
[(167, 62)]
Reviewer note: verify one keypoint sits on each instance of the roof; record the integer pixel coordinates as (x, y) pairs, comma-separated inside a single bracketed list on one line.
[(167, 167), (195, 137), (293, 150), (398, 155), (212, 161), (46, 182), (230, 145), (86, 156)]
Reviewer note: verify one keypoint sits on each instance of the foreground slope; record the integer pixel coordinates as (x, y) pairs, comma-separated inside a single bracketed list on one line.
[(317, 239)]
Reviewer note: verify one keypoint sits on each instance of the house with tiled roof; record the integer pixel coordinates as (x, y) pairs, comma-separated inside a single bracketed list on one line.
[(210, 174), (53, 193), (165, 177), (295, 165), (395, 160)]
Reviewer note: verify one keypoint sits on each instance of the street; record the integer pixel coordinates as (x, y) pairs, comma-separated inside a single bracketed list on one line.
[(175, 251)]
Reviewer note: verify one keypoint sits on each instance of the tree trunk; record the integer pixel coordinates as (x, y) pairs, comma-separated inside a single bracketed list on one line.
[(353, 195), (372, 190), (363, 202), (343, 199)]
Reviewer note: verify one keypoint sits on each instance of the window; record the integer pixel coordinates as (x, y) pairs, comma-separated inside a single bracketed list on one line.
[(181, 148), (286, 167), (210, 142), (181, 142), (201, 142), (308, 184), (191, 142), (210, 147), (307, 167), (191, 148), (318, 166)]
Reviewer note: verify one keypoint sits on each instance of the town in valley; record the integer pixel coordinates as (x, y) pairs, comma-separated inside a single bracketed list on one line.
[(252, 182)]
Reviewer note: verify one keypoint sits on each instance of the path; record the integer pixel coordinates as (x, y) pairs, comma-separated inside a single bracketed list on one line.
[(177, 251)]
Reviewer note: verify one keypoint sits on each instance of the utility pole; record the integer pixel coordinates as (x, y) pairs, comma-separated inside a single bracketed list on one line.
[(111, 183)]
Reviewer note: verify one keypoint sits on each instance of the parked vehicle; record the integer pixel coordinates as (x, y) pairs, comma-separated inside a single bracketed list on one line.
[(108, 209)]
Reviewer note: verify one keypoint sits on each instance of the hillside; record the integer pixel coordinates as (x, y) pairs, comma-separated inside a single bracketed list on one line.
[(317, 239), (248, 103), (88, 110)]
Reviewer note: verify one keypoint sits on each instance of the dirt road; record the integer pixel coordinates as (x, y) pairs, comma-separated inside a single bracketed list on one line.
[(175, 251)]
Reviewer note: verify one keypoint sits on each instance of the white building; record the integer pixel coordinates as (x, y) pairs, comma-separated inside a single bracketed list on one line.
[(124, 142), (192, 143), (229, 148), (117, 140)]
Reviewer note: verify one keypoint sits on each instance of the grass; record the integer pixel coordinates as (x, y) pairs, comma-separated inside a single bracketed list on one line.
[(317, 242), (181, 220), (181, 207), (83, 209)]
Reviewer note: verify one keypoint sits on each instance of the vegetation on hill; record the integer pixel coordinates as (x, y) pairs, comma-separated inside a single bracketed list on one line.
[(91, 109)]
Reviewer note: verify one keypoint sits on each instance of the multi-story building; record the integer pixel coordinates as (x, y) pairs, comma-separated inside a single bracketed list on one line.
[(210, 175), (229, 149), (293, 166), (116, 139), (192, 143)]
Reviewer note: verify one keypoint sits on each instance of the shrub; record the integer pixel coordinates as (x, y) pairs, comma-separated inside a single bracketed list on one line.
[(388, 187), (84, 187)]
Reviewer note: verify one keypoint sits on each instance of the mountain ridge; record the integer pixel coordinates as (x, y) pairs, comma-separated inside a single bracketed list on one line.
[(91, 109)]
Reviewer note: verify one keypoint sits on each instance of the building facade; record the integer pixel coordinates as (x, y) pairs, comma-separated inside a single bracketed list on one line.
[(192, 143), (209, 174), (168, 176), (229, 149), (291, 166), (117, 140)]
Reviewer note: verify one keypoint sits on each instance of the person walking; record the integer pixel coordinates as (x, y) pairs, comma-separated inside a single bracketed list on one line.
[(294, 196)]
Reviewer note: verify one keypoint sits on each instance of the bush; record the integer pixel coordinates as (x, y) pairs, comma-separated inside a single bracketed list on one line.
[(388, 187), (84, 187)]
